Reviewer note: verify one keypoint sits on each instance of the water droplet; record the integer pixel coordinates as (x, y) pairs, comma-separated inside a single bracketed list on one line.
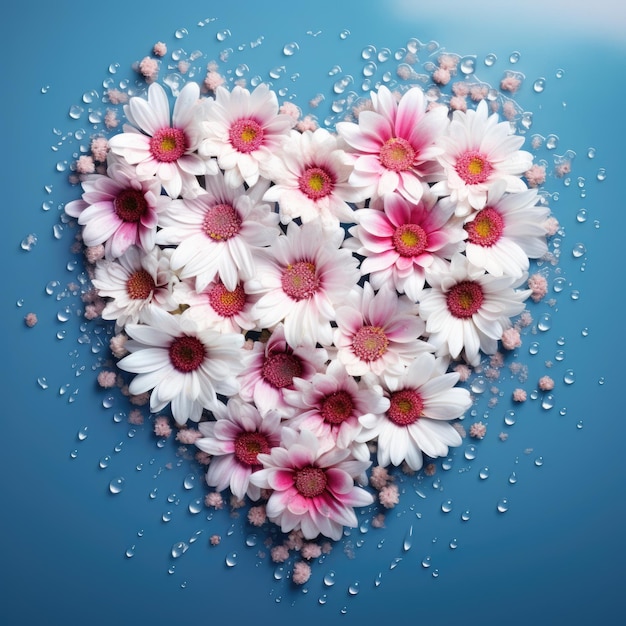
[(116, 485), (289, 49), (73, 454), (408, 540), (533, 347), (559, 73), (578, 250), (465, 516), (82, 433), (559, 355), (189, 481), (547, 402), (76, 111), (601, 380), (575, 294), (42, 382), (503, 505), (552, 141), (322, 599), (344, 34), (446, 506), (545, 322), (104, 462), (369, 69), (512, 478), (539, 461), (569, 377), (153, 494), (579, 424), (509, 417), (383, 55), (353, 589), (484, 473), (454, 544), (368, 52), (395, 562), (539, 85), (514, 57), (591, 153), (490, 59), (467, 65), (29, 242), (601, 175), (426, 562), (181, 33), (178, 549), (479, 385), (329, 579), (130, 552), (231, 559), (470, 452), (581, 215)]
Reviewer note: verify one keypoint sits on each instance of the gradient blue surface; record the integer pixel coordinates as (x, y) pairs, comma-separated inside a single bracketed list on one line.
[(556, 556)]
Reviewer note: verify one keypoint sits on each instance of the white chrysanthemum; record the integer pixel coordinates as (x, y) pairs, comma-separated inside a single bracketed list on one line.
[(216, 232), (507, 232), (422, 402), (161, 147), (310, 177), (180, 364), (242, 129), (478, 152), (133, 282), (302, 279), (466, 310)]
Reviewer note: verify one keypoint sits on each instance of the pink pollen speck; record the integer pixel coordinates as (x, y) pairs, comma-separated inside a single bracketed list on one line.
[(430, 469), (149, 68), (162, 427), (85, 164), (379, 477), (539, 287), (257, 515), (308, 122), (215, 540), (552, 226), (519, 395), (563, 168), (389, 496), (510, 83), (117, 344), (310, 551), (188, 436), (442, 76), (464, 372), (107, 379), (458, 103), (511, 339), (159, 49), (301, 573), (546, 383), (214, 500), (279, 554), (213, 80), (536, 175), (116, 96), (135, 417), (110, 119), (478, 430), (30, 319)]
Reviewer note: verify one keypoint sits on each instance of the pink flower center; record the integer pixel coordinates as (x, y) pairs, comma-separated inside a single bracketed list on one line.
[(473, 167), (316, 183), (140, 285), (245, 135), (187, 353), (410, 240), (310, 481), (337, 407), (465, 298), (249, 445), (168, 144), (397, 154), (130, 205), (227, 303), (280, 369), (221, 222), (370, 343), (486, 228), (406, 407), (299, 281)]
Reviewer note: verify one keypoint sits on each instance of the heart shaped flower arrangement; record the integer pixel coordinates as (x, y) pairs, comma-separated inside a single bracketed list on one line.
[(302, 302)]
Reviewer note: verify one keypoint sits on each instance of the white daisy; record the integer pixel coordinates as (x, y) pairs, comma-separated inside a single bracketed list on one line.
[(422, 401), (479, 151), (242, 129), (216, 232), (181, 365), (466, 310), (161, 147)]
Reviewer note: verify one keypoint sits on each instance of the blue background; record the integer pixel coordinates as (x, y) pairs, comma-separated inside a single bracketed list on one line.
[(556, 556)]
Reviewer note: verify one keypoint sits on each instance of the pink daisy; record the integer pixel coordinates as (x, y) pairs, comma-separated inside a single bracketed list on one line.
[(217, 232), (118, 209), (160, 146), (503, 235), (393, 147), (271, 367), (330, 405), (310, 177), (234, 440), (181, 364), (302, 278), (422, 402), (478, 151), (403, 239), (242, 129), (312, 491), (378, 333), (466, 310)]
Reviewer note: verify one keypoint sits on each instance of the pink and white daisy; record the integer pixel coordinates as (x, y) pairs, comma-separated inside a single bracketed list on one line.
[(217, 232), (466, 310), (503, 236), (422, 401), (479, 151), (330, 405), (242, 129), (271, 367), (394, 146), (118, 209), (378, 333), (310, 176), (134, 282), (160, 146), (180, 364), (302, 279), (218, 308), (403, 239), (234, 441), (312, 491)]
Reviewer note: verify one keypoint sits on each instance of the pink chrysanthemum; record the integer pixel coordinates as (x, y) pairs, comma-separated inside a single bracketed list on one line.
[(242, 129), (301, 279), (403, 239), (422, 402), (217, 232), (160, 146), (183, 366), (330, 405), (312, 491), (478, 151), (378, 333), (271, 367), (118, 209), (310, 177), (393, 147), (466, 310), (235, 440)]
